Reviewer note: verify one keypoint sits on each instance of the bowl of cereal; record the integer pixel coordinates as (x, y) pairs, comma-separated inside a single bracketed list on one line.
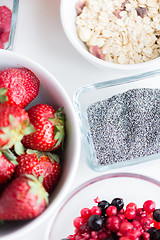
[(111, 206), (116, 34), (49, 94)]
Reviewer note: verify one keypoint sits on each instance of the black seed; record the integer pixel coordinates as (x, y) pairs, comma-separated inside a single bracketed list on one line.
[(118, 203), (103, 205), (95, 222), (156, 215)]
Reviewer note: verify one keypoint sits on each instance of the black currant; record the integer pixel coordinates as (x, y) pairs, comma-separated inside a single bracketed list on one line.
[(95, 222), (156, 235), (156, 215), (103, 205), (152, 231), (118, 203)]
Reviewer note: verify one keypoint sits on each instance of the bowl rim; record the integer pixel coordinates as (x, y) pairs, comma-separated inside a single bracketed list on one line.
[(89, 57), (49, 210), (95, 180)]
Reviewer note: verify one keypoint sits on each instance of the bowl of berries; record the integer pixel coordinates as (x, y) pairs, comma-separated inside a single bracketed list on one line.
[(122, 206), (39, 144)]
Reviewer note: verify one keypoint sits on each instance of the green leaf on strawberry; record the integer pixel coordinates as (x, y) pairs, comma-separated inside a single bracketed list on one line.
[(3, 97)]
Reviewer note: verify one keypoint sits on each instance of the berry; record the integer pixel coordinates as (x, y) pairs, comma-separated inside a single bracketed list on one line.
[(103, 205), (152, 231), (78, 222), (146, 223), (156, 235), (95, 210), (156, 225), (21, 85), (118, 203), (132, 205), (130, 213), (5, 19), (111, 211), (113, 223), (85, 213), (14, 125), (146, 236), (49, 128), (24, 198), (156, 215), (42, 164), (7, 166), (125, 227), (149, 206), (95, 222)]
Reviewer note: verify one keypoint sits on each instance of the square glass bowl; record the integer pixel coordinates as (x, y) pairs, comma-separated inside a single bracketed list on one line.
[(88, 95), (13, 6)]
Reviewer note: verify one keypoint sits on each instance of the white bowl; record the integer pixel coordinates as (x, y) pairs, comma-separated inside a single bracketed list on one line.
[(51, 92), (68, 15)]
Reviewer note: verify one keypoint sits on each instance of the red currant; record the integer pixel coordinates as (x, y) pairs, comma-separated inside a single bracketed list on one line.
[(85, 213), (113, 223), (111, 211), (78, 222), (130, 213), (125, 226), (95, 210), (132, 205), (146, 223), (156, 225), (149, 206)]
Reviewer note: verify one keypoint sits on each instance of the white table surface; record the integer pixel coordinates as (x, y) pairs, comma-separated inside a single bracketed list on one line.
[(39, 36)]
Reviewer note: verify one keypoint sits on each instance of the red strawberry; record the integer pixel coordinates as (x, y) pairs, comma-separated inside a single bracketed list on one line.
[(5, 19), (23, 198), (41, 164), (21, 86), (49, 125), (7, 166), (4, 37), (14, 124)]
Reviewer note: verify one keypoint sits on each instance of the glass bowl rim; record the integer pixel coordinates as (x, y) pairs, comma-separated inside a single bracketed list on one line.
[(95, 180)]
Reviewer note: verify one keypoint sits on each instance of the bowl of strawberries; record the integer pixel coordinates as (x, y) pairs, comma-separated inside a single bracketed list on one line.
[(39, 144)]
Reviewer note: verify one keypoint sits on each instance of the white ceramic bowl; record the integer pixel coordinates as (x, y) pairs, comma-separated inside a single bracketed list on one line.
[(68, 15), (51, 92)]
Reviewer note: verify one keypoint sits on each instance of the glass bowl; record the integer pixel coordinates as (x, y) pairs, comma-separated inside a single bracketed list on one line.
[(130, 187), (97, 141), (13, 6)]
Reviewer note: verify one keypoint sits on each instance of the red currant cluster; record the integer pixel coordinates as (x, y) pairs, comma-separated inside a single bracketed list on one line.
[(109, 221)]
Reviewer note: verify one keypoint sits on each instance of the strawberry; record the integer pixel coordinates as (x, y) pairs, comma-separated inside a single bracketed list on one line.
[(43, 165), (19, 86), (5, 19), (49, 128), (7, 166), (14, 124), (23, 198)]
